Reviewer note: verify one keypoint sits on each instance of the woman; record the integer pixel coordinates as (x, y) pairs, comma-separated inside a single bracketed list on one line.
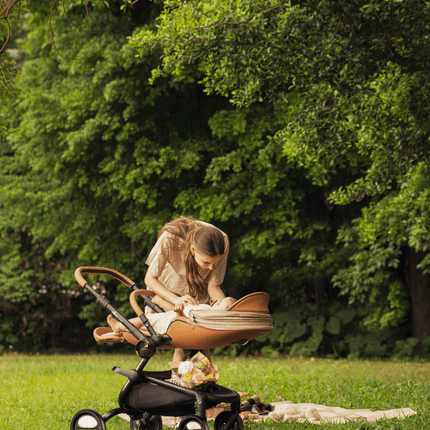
[(187, 265)]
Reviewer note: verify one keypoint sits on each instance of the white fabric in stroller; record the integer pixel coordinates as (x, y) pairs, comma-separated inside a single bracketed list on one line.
[(161, 321)]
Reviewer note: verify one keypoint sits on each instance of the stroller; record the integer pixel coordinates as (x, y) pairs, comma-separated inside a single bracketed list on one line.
[(148, 395)]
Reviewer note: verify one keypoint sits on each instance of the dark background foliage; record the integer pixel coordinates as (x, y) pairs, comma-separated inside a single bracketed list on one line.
[(300, 130)]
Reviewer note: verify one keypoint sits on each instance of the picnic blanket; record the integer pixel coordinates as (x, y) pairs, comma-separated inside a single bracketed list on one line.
[(290, 411), (309, 412)]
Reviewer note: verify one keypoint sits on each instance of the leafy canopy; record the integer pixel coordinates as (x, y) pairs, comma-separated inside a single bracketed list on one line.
[(360, 66)]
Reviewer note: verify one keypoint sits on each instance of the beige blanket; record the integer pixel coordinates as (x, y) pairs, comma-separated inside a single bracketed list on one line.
[(289, 411)]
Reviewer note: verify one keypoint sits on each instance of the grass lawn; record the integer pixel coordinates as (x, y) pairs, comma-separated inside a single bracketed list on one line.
[(45, 391)]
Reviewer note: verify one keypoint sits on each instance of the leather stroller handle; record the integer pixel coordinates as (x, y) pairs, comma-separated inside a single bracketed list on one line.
[(101, 271), (133, 301)]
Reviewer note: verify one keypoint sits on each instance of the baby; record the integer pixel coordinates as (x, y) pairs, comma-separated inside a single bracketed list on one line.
[(161, 321)]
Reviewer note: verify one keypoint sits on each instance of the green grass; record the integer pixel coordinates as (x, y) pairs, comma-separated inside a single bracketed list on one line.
[(45, 391)]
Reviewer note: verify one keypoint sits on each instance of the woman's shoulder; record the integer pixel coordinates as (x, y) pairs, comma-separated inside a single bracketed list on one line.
[(169, 240), (167, 246)]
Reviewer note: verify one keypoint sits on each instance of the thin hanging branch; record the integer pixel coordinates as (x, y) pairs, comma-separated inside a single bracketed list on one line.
[(53, 38), (71, 22), (98, 24), (7, 6), (4, 15)]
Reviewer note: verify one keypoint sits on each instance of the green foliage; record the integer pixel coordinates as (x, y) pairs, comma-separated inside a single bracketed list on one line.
[(273, 212), (338, 331), (69, 181), (299, 332), (317, 111), (401, 218), (404, 348), (361, 69), (37, 311), (103, 159), (379, 238)]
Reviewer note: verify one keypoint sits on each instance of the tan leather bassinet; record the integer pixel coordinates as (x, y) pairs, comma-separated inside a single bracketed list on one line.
[(246, 319)]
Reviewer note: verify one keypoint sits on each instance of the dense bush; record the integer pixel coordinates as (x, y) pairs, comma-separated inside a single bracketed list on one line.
[(312, 157), (335, 331)]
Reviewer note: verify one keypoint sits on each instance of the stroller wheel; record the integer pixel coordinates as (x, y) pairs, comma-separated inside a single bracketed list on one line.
[(154, 423), (222, 419), (87, 419), (193, 422)]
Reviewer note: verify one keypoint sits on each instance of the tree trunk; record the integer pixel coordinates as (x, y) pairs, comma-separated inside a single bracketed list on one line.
[(420, 295)]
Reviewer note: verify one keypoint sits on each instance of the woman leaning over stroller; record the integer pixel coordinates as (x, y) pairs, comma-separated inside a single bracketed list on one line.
[(187, 265)]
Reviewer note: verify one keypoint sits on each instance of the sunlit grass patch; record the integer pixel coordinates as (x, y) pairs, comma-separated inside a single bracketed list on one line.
[(46, 391)]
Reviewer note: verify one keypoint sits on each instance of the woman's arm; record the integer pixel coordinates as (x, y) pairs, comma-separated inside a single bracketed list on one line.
[(215, 293), (161, 291)]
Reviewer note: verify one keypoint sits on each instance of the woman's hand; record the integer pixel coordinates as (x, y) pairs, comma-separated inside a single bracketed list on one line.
[(185, 300), (179, 309)]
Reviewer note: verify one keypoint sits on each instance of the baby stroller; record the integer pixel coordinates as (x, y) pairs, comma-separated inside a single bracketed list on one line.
[(148, 395)]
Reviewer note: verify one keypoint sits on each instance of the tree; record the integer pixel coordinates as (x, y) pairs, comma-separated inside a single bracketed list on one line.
[(8, 66), (390, 242), (362, 72), (103, 159), (340, 55), (75, 180)]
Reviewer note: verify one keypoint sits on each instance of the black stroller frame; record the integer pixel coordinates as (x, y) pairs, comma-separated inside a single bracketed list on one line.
[(148, 395)]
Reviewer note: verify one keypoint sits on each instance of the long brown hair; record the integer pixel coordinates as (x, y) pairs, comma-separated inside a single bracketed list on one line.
[(206, 239)]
